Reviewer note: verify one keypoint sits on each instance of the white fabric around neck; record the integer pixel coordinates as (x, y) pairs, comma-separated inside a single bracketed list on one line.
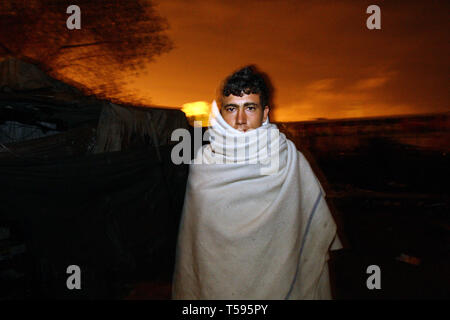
[(228, 145)]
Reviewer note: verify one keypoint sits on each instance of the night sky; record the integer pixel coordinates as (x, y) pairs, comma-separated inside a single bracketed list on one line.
[(322, 59)]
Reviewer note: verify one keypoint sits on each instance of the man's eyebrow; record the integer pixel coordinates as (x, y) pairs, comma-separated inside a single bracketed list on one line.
[(236, 105), (230, 105)]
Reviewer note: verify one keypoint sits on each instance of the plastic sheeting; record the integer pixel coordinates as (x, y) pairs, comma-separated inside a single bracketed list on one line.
[(112, 214)]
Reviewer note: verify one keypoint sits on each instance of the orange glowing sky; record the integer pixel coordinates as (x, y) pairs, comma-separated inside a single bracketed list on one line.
[(321, 58)]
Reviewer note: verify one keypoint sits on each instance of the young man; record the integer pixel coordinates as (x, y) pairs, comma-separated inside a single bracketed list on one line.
[(247, 233)]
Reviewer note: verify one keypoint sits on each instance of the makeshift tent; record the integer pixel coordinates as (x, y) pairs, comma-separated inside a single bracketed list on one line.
[(93, 186)]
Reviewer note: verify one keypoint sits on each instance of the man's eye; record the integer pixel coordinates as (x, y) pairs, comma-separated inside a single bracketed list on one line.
[(251, 108), (230, 109)]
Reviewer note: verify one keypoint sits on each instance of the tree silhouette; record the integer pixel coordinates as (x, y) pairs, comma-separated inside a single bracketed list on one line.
[(115, 37)]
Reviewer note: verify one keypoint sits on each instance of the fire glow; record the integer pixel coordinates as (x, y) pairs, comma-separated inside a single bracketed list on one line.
[(197, 111)]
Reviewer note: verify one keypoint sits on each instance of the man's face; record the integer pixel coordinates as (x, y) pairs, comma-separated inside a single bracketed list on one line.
[(243, 113)]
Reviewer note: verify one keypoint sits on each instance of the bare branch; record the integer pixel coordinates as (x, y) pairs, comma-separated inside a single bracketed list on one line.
[(5, 48), (71, 46)]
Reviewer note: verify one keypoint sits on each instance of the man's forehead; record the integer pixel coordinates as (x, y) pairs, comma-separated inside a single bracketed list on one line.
[(246, 98)]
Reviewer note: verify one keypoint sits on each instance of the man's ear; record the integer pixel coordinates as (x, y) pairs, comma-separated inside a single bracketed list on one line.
[(266, 113)]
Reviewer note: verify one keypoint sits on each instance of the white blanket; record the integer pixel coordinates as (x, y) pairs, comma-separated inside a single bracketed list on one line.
[(247, 233)]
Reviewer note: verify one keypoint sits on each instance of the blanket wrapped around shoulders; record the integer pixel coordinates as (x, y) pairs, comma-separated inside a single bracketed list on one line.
[(246, 233)]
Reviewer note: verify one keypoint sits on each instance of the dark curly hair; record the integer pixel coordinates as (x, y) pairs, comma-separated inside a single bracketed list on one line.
[(246, 81)]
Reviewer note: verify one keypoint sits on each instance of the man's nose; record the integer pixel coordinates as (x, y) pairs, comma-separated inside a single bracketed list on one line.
[(241, 117)]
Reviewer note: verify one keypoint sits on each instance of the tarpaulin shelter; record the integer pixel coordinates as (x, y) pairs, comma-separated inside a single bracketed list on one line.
[(87, 183)]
